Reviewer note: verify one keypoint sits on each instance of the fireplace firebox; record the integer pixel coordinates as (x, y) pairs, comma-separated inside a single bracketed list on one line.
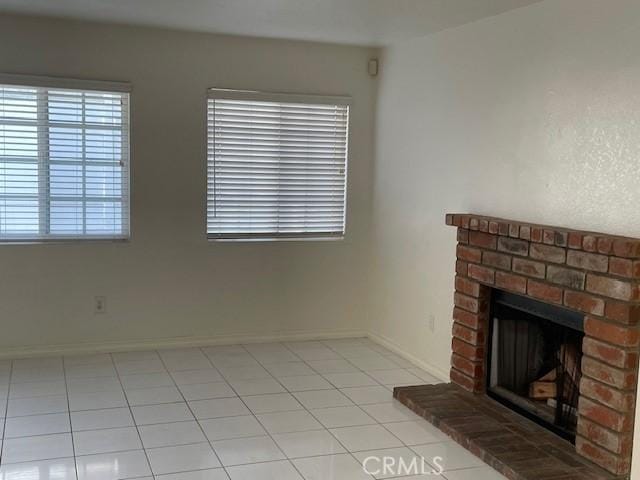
[(534, 360)]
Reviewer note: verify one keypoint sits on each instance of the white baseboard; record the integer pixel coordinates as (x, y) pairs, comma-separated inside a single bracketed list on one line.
[(177, 342), (385, 342)]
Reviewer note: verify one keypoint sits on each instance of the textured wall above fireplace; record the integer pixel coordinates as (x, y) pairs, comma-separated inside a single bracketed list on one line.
[(593, 273)]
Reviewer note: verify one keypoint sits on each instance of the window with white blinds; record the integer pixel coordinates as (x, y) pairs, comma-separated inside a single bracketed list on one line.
[(276, 165), (64, 159)]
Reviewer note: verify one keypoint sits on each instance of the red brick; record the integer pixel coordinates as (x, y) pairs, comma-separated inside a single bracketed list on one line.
[(514, 246), (514, 230), (482, 274), (472, 352), (612, 355), (620, 443), (474, 224), (464, 221), (511, 282), (618, 465), (548, 237), (611, 287), (462, 236), (493, 227), (605, 416), (588, 261), (469, 254), (468, 287), (484, 225), (457, 220), (466, 318), (621, 379), (547, 253), (626, 247), (623, 312), (622, 267), (474, 337), (605, 245), (611, 397), (470, 368), (545, 292), (575, 240), (461, 268), (497, 260), (590, 243), (468, 383), (503, 228), (584, 302), (448, 218), (529, 267), (525, 232), (484, 240), (469, 304), (566, 277), (536, 234), (611, 333)]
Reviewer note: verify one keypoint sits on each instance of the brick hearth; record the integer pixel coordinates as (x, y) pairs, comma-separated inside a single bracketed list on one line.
[(513, 445), (596, 274)]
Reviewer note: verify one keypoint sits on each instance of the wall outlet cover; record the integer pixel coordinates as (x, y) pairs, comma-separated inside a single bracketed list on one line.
[(100, 305)]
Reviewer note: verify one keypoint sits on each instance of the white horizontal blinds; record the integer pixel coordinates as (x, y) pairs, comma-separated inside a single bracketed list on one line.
[(276, 168), (64, 163)]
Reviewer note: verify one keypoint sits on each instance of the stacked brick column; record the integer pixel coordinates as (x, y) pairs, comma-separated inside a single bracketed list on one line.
[(596, 274)]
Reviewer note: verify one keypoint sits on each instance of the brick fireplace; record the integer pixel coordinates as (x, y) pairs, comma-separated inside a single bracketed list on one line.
[(592, 273), (595, 274)]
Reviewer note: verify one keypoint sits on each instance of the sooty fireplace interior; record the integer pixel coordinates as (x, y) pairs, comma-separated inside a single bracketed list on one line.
[(534, 357)]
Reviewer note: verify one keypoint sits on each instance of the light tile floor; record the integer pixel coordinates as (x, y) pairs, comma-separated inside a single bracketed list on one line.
[(279, 411)]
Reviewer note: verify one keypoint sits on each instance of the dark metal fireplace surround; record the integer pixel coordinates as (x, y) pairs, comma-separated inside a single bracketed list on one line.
[(533, 365), (568, 309)]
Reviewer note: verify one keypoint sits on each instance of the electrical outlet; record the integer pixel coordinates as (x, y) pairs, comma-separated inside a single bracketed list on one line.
[(432, 323), (100, 305)]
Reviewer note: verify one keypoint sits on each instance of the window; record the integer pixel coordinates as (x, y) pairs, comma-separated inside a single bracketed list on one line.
[(64, 159), (276, 165)]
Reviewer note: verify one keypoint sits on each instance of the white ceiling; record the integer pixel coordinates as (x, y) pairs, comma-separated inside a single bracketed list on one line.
[(361, 22)]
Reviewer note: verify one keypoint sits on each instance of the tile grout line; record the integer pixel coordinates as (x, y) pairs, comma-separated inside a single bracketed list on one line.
[(286, 458), (73, 445), (6, 412), (307, 410), (252, 414), (195, 419), (135, 424), (349, 452), (289, 460), (302, 407), (376, 420), (346, 450)]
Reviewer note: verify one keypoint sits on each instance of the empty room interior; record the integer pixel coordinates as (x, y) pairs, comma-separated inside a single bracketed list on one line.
[(319, 239)]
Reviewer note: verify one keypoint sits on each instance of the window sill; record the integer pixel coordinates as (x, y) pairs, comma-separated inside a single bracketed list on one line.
[(275, 239), (59, 241)]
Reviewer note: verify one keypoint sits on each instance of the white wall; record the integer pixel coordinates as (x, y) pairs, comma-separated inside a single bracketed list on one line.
[(169, 281), (531, 115)]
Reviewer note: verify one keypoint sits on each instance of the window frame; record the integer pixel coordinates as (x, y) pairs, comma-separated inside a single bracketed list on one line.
[(214, 93), (62, 83)]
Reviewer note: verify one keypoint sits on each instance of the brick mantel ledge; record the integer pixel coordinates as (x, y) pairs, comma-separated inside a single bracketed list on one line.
[(593, 273)]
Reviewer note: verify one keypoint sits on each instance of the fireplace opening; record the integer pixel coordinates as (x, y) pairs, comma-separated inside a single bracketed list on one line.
[(534, 358)]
